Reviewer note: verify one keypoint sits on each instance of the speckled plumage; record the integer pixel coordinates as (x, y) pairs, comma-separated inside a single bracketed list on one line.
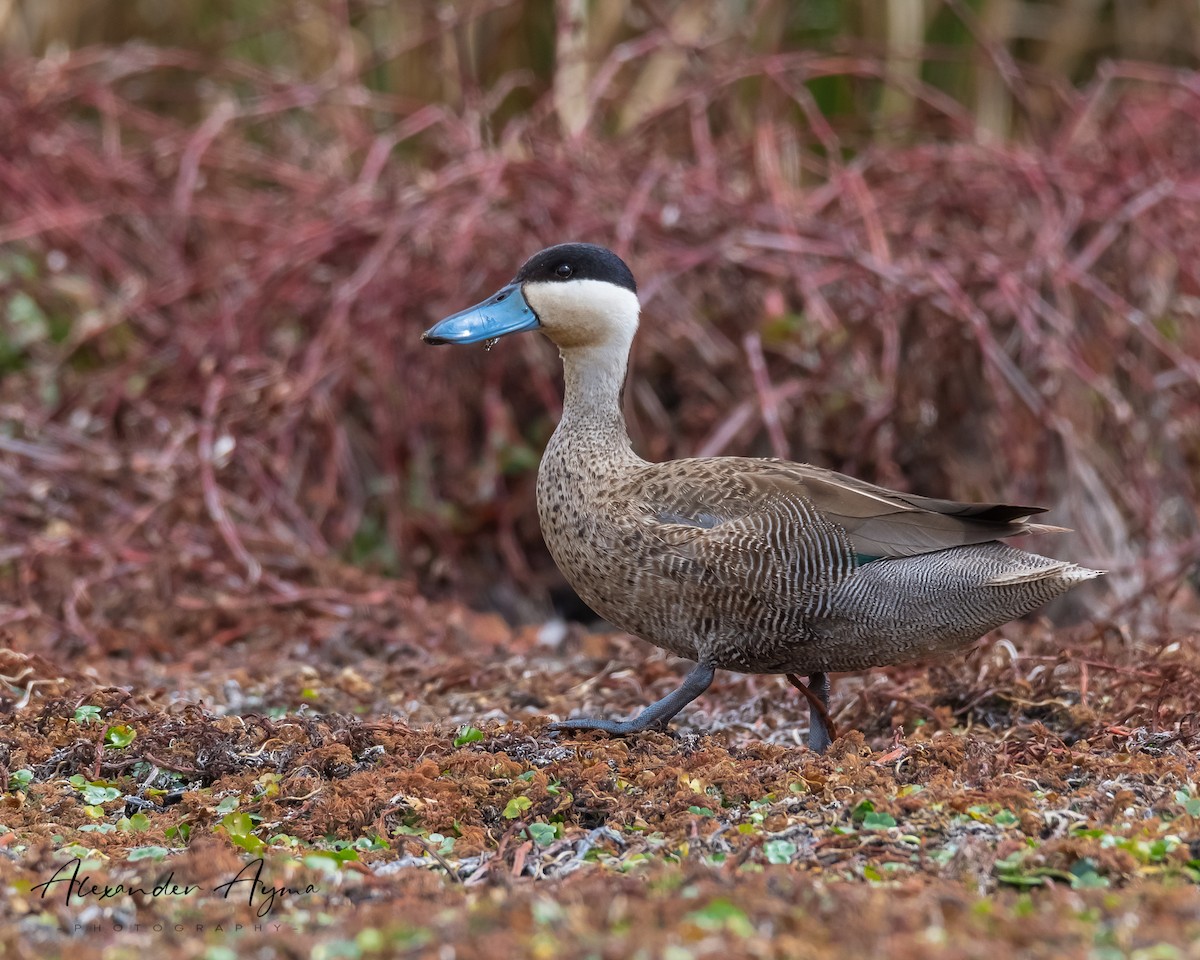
[(755, 565), (733, 562)]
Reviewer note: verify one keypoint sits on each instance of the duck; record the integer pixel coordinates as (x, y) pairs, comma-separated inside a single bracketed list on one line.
[(747, 564)]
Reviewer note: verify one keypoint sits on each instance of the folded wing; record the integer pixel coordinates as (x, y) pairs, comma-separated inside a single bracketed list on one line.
[(788, 533)]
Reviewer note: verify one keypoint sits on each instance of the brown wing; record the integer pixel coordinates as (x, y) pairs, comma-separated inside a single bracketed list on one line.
[(774, 549), (887, 523), (733, 500)]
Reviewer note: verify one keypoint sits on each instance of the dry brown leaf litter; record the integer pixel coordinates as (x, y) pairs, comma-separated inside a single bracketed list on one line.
[(981, 799)]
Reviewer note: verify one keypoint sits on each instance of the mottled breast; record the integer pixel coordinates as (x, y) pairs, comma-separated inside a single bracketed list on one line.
[(690, 563)]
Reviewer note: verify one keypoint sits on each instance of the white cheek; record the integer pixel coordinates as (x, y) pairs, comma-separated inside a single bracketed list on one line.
[(578, 311)]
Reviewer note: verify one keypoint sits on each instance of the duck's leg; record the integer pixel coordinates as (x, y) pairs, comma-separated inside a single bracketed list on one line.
[(821, 730), (659, 712)]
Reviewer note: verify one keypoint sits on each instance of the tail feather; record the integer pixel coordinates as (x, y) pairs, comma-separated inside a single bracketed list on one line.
[(1040, 528), (1067, 572)]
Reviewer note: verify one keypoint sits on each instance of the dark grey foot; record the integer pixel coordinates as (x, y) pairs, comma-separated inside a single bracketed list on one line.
[(821, 731), (655, 715)]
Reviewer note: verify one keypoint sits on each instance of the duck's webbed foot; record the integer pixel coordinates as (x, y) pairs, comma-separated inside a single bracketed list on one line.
[(821, 730), (657, 714)]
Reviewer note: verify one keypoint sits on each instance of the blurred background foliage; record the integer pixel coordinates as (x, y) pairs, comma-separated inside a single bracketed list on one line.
[(452, 53), (949, 245)]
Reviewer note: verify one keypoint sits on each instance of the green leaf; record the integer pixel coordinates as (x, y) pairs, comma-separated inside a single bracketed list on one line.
[(445, 844), (1159, 850), (239, 827), (1159, 951), (250, 843), (148, 853), (860, 811), (1021, 880), (468, 735), (16, 264), (95, 795), (1085, 875), (27, 322), (1006, 818), (119, 735), (516, 806), (86, 714), (701, 811), (543, 834), (321, 860), (20, 779), (181, 832), (721, 914), (228, 805), (779, 851), (237, 824), (878, 821)]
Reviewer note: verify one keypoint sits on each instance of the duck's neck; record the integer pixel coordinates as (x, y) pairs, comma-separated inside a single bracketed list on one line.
[(594, 377)]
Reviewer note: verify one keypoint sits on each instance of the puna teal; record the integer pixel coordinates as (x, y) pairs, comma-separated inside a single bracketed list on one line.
[(754, 565)]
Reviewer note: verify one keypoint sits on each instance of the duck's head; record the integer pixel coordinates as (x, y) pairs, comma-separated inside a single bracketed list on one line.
[(577, 294)]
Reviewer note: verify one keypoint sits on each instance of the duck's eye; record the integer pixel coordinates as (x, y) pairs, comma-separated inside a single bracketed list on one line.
[(563, 271)]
